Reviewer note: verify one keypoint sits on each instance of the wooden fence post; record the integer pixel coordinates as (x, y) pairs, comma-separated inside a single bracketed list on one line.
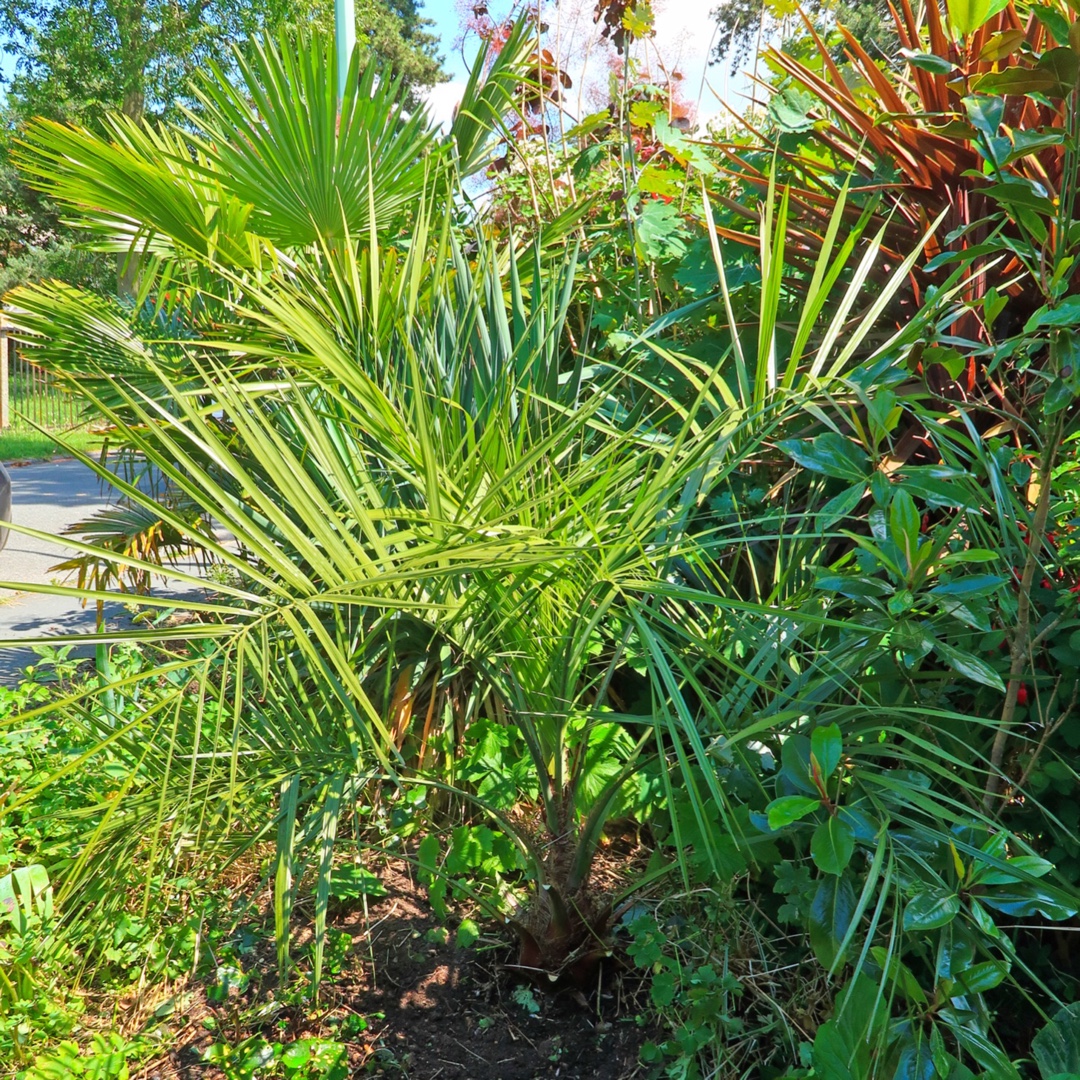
[(5, 363)]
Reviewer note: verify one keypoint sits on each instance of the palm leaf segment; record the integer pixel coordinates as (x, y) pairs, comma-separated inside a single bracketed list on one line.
[(272, 158)]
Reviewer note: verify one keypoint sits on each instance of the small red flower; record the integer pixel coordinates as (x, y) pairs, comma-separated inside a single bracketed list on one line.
[(1022, 695)]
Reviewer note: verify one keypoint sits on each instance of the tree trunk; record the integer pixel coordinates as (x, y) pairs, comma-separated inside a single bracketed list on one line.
[(129, 17), (134, 101)]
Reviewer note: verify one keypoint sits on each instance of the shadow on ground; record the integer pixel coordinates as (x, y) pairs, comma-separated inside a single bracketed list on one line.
[(426, 1009)]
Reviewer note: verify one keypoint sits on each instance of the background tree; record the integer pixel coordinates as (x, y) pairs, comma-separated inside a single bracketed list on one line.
[(747, 25), (396, 32), (78, 61)]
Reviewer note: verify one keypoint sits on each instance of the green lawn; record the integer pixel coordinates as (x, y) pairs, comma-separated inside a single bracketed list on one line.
[(22, 445)]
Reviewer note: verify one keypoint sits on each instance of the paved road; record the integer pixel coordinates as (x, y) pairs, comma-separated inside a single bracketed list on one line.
[(49, 496)]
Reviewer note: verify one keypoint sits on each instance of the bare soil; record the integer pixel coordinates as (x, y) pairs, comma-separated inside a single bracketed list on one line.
[(432, 1011)]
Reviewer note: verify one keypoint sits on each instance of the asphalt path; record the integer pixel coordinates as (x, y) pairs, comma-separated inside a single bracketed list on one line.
[(49, 496)]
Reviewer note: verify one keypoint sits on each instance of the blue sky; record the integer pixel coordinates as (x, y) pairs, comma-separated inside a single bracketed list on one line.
[(445, 16)]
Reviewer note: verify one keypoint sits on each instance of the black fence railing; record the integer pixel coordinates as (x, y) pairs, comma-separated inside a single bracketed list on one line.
[(28, 395)]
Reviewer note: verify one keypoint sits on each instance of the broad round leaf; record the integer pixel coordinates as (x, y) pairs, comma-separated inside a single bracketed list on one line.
[(831, 912), (930, 910), (832, 845), (790, 808)]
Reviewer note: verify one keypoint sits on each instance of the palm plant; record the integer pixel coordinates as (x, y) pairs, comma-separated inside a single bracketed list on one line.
[(433, 495), (411, 465)]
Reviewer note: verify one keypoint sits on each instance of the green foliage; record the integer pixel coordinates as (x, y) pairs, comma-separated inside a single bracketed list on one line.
[(350, 882), (106, 1057), (478, 864), (525, 997), (700, 999), (26, 911), (39, 956), (62, 260), (304, 1059)]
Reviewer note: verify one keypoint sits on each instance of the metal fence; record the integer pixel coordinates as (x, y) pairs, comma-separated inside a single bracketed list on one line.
[(28, 395)]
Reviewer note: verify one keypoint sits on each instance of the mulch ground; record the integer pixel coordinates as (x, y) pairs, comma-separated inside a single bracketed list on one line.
[(431, 1010)]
